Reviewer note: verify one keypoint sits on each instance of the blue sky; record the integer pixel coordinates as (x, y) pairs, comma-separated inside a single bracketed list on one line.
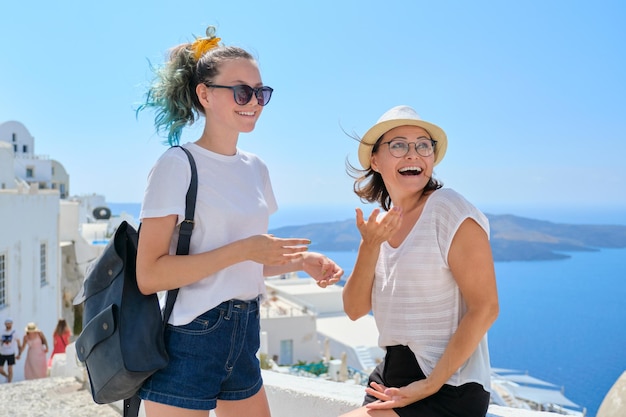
[(532, 94)]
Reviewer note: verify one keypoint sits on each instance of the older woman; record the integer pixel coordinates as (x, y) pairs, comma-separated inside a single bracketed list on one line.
[(425, 269)]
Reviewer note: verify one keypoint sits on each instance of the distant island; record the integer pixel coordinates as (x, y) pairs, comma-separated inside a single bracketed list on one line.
[(513, 238)]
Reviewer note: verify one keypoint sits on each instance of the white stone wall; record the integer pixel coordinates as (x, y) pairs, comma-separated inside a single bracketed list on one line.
[(299, 330), (288, 395), (28, 220), (23, 138), (7, 167)]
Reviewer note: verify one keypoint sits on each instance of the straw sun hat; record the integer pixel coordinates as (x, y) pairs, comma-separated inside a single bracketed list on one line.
[(400, 116), (31, 327)]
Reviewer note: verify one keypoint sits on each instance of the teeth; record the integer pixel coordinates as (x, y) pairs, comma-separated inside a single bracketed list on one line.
[(246, 113), (407, 169)]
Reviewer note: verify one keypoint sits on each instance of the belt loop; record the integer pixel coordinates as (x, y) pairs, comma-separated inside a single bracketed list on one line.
[(229, 312)]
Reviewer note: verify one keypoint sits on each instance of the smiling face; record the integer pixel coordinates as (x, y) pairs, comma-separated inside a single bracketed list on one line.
[(219, 104), (409, 173)]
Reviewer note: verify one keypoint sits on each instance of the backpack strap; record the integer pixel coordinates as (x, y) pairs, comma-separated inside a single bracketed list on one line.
[(186, 227), (131, 405)]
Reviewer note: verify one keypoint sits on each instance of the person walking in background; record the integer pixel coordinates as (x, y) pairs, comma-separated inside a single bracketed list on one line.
[(60, 339), (214, 330), (35, 365), (10, 349), (425, 269)]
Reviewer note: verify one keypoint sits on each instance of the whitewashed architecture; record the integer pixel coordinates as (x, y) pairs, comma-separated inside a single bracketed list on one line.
[(47, 238), (28, 167), (85, 226), (327, 333), (30, 272)]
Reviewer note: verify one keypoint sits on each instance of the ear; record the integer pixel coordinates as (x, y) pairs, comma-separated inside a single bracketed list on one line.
[(202, 91), (373, 163)]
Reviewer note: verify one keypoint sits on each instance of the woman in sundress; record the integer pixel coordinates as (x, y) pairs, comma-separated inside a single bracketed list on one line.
[(35, 341)]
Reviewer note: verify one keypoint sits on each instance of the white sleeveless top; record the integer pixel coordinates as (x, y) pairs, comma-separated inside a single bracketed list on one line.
[(416, 301)]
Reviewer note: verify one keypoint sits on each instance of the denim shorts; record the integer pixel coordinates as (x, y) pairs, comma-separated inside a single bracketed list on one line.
[(212, 358), (400, 368)]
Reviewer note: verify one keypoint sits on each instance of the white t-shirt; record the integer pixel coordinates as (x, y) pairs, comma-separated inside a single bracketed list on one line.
[(416, 301), (8, 342), (235, 200)]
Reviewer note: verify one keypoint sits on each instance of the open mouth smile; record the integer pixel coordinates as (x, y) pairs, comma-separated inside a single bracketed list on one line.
[(410, 171)]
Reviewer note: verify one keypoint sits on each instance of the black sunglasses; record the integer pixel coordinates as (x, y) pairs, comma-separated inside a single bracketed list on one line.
[(243, 93)]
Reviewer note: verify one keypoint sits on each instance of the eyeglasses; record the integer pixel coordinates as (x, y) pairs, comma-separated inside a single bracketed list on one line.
[(243, 93), (424, 147)]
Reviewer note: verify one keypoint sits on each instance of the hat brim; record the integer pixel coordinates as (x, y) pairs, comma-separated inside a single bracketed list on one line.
[(371, 137)]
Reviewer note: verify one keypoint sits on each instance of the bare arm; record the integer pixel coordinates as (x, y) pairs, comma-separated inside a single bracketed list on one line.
[(157, 270), (321, 268), (21, 346), (471, 263), (357, 292), (44, 341)]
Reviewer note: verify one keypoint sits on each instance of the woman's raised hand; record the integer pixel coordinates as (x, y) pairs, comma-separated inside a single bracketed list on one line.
[(374, 231)]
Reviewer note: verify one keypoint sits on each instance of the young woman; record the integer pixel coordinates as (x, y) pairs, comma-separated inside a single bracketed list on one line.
[(213, 332), (426, 271), (60, 339)]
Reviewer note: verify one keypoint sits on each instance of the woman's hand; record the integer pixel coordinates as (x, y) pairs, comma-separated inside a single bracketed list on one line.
[(374, 232), (398, 397), (321, 268), (357, 292), (270, 250)]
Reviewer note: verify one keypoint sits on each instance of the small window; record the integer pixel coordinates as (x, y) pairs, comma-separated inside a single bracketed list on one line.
[(43, 264), (30, 172), (24, 148), (3, 280), (14, 137)]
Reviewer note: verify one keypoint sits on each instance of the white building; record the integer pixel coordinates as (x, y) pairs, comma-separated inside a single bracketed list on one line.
[(28, 167), (30, 272), (47, 238), (326, 334)]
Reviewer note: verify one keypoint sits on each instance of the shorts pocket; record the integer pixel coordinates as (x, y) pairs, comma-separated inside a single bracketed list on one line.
[(203, 324)]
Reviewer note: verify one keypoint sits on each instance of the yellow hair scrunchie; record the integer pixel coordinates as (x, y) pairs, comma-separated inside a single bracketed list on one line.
[(202, 45)]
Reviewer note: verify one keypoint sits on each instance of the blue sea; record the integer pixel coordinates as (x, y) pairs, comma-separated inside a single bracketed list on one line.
[(561, 321)]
